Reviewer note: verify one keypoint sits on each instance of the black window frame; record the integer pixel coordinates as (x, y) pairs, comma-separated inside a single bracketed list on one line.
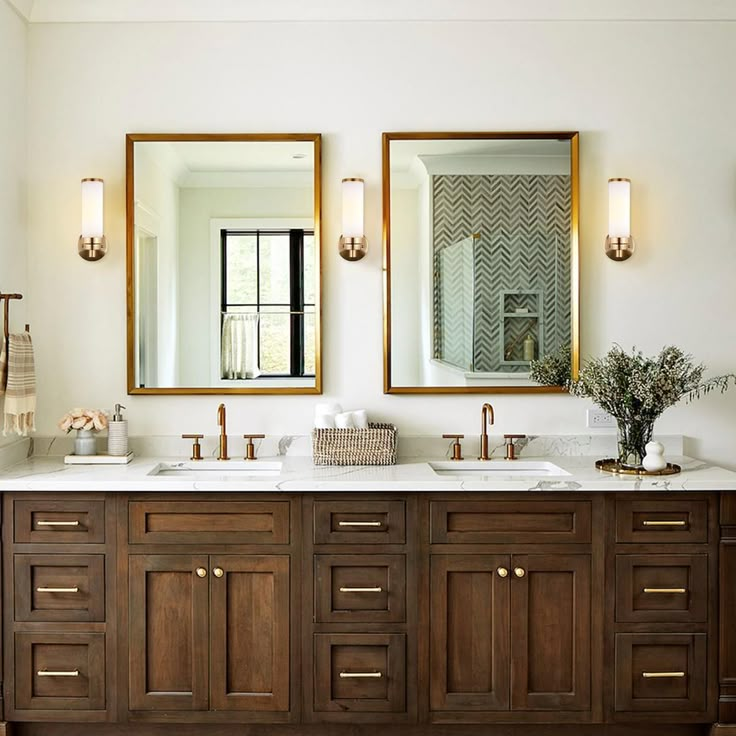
[(296, 305)]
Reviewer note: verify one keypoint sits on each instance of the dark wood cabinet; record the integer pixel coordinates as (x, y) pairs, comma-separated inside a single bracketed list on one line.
[(249, 633), (661, 673), (550, 632), (360, 673), (416, 613), (510, 632), (209, 632), (470, 652), (169, 632)]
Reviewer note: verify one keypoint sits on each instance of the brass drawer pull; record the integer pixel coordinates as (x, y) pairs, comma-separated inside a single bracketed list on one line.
[(664, 522), (57, 590), (57, 523), (361, 590), (360, 523), (502, 572), (360, 675), (519, 572), (665, 590), (662, 674), (60, 673)]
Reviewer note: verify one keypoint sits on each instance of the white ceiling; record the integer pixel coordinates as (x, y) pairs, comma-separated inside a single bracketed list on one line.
[(404, 152), (85, 11), (204, 156)]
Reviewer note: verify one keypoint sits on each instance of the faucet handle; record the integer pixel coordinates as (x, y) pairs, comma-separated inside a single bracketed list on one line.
[(457, 450), (510, 449), (250, 448), (196, 447)]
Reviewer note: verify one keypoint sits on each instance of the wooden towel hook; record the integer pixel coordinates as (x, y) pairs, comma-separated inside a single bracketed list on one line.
[(6, 307)]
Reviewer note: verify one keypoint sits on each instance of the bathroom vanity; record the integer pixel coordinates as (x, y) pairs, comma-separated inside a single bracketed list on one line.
[(340, 601)]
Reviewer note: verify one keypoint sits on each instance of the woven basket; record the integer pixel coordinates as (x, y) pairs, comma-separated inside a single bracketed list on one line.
[(373, 446)]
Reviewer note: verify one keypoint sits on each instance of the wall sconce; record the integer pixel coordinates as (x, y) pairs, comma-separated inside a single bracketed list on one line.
[(353, 244), (619, 243), (92, 242)]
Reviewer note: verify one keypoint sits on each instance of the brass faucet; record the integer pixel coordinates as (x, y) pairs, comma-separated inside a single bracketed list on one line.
[(223, 432), (486, 420)]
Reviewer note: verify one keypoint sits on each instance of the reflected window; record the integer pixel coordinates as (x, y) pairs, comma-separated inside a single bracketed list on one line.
[(267, 303)]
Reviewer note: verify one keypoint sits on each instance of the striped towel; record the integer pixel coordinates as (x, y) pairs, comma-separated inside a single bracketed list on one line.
[(3, 366), (20, 389)]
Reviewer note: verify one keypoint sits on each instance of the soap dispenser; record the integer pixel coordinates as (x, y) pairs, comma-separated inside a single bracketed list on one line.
[(529, 348), (117, 433)]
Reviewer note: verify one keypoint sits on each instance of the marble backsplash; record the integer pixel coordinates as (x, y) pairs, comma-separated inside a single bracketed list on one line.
[(410, 446)]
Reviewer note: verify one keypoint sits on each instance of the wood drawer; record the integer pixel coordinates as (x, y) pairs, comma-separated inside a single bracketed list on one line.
[(59, 671), (661, 673), (662, 588), (47, 521), (360, 588), (360, 673), (209, 522), (510, 522), (359, 522), (59, 587), (662, 521)]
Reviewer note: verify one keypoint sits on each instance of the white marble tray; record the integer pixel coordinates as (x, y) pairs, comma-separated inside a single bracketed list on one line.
[(103, 459)]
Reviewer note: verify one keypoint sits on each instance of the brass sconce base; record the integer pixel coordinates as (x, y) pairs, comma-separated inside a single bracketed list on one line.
[(353, 249), (619, 249), (92, 249)]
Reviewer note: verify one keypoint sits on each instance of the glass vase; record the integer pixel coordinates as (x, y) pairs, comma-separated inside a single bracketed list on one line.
[(85, 442), (633, 437)]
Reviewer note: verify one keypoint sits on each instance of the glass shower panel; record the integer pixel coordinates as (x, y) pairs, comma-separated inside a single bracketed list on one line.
[(456, 300)]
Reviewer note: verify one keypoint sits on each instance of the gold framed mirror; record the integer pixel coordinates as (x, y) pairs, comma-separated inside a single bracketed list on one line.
[(223, 263), (480, 260)]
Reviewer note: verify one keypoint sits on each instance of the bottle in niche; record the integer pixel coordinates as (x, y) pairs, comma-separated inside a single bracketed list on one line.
[(117, 433), (529, 347)]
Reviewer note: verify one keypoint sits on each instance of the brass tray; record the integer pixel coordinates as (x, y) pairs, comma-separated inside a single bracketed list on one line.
[(611, 465)]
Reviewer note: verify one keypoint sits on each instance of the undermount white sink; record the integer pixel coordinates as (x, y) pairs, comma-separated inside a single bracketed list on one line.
[(217, 469), (483, 470)]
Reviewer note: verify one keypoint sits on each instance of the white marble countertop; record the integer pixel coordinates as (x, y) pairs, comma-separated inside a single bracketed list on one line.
[(299, 474)]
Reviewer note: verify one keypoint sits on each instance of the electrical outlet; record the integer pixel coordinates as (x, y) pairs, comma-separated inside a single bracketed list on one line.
[(599, 419)]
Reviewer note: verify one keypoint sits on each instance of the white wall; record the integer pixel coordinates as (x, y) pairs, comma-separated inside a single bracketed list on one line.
[(157, 195), (661, 113), (407, 278), (13, 94)]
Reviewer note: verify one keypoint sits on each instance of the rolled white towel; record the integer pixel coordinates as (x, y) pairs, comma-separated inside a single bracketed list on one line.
[(324, 421), (344, 420), (360, 418), (327, 407)]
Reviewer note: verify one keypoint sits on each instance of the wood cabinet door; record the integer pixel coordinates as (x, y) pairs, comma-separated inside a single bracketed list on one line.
[(249, 625), (469, 630), (168, 647), (550, 632)]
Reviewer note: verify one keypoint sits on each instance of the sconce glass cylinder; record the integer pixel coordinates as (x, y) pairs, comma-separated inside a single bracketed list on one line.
[(353, 245), (92, 243), (619, 243)]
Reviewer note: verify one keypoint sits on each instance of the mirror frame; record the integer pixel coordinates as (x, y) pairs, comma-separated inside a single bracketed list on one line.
[(130, 140), (572, 136)]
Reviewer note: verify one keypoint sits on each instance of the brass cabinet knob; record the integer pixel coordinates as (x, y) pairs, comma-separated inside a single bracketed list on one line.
[(201, 572), (502, 572), (519, 572), (218, 572)]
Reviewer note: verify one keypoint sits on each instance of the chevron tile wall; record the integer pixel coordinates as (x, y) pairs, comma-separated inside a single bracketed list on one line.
[(524, 224)]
